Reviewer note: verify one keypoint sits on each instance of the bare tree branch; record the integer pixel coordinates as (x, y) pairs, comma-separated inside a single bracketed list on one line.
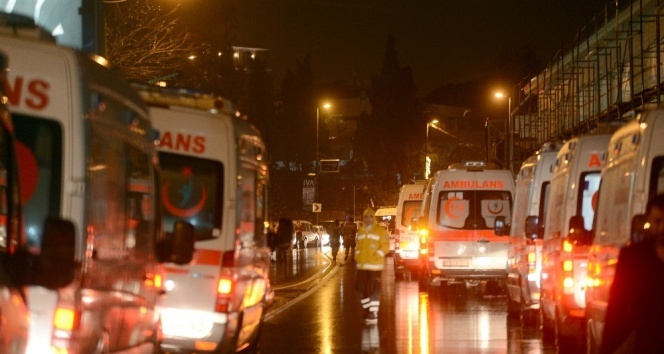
[(142, 40)]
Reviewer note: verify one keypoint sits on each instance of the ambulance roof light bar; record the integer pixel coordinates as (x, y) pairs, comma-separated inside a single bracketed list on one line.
[(156, 95), (468, 165)]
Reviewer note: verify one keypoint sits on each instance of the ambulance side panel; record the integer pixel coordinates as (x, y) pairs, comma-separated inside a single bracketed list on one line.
[(525, 251), (14, 314), (574, 185), (632, 176)]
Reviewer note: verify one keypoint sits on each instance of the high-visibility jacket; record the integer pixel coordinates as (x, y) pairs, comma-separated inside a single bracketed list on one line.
[(373, 244)]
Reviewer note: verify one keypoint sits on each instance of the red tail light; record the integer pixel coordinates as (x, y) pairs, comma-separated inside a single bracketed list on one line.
[(568, 267)]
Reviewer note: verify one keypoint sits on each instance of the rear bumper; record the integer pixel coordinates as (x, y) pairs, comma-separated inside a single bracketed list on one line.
[(219, 337), (405, 258), (461, 274)]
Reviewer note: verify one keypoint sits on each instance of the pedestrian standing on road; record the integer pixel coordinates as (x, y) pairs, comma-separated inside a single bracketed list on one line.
[(350, 232), (283, 239), (373, 244), (635, 312), (335, 239)]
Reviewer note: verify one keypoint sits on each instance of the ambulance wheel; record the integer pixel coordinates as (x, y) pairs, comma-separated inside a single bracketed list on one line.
[(548, 329), (592, 343), (530, 318)]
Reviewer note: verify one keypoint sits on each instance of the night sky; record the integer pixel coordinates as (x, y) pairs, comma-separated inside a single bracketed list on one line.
[(443, 41)]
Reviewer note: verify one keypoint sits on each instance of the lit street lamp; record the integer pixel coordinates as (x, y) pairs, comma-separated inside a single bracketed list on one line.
[(509, 134), (427, 161), (325, 106)]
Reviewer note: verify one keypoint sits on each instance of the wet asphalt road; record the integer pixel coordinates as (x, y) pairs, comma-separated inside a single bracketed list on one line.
[(316, 310)]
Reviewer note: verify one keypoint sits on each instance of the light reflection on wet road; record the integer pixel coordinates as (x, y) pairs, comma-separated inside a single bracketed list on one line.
[(324, 317)]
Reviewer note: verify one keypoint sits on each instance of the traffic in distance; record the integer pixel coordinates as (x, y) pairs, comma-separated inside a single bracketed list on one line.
[(123, 230)]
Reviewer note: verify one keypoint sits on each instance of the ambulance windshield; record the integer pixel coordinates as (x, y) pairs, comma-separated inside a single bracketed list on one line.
[(472, 210)]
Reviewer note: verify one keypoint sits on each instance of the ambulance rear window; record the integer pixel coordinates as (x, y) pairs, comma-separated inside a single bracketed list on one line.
[(192, 191), (39, 150)]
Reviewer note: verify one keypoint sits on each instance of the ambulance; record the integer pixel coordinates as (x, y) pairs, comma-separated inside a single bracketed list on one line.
[(457, 232), (524, 253), (214, 176), (566, 242), (18, 267), (632, 177), (87, 155), (406, 241)]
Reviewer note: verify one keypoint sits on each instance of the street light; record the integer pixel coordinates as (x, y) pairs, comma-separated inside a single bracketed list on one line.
[(325, 106), (427, 161), (510, 143)]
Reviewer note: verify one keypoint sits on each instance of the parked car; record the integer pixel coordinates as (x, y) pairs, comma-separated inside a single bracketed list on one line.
[(324, 237), (305, 234)]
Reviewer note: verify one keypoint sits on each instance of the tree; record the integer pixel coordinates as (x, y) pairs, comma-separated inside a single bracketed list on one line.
[(390, 140), (143, 41)]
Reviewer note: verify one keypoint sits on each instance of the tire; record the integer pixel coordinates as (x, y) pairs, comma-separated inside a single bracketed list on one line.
[(530, 318), (548, 329), (576, 343), (591, 342)]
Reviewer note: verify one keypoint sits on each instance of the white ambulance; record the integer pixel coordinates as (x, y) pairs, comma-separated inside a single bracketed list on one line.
[(633, 175), (457, 233), (406, 241), (524, 256), (214, 176), (18, 268), (570, 211), (86, 154)]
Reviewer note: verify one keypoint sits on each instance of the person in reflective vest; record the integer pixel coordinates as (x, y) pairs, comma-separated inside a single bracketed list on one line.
[(372, 245)]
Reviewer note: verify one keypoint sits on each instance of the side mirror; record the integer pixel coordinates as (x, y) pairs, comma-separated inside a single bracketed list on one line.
[(640, 228), (532, 227), (56, 265), (500, 227), (577, 232)]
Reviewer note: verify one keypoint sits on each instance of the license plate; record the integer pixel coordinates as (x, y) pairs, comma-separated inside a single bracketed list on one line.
[(461, 262)]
